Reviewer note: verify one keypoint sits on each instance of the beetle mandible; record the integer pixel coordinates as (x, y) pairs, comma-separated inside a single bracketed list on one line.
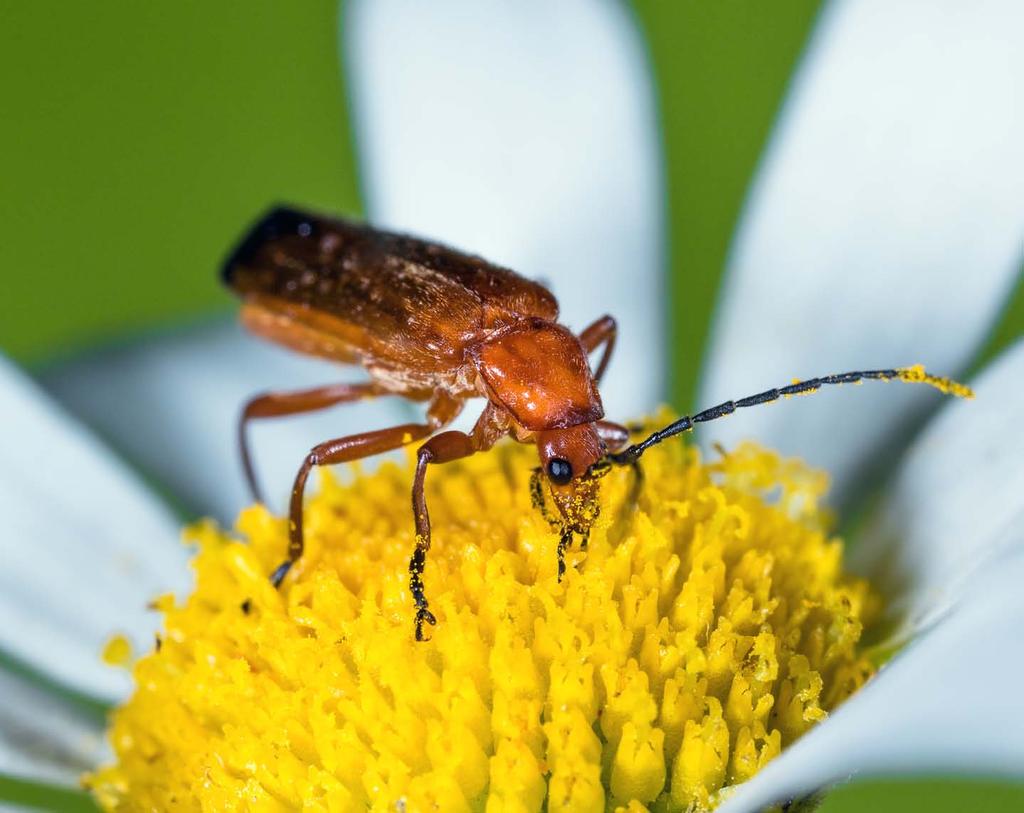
[(438, 326)]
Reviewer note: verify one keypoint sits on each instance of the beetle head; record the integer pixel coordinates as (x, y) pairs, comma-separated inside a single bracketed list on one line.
[(569, 459)]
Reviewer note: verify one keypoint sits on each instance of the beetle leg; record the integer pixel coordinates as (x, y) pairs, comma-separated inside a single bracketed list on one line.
[(340, 450), (615, 436), (443, 448), (564, 531), (603, 331), (584, 539), (276, 404), (638, 483), (564, 541)]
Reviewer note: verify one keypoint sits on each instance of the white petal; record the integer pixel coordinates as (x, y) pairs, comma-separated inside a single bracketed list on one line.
[(950, 702), (884, 229), (957, 503), (85, 546), (171, 404), (43, 737), (524, 132)]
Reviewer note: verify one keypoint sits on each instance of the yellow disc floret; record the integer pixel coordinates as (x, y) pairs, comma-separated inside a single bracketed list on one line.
[(706, 626)]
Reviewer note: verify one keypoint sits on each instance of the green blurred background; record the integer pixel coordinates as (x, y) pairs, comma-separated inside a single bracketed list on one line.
[(139, 138)]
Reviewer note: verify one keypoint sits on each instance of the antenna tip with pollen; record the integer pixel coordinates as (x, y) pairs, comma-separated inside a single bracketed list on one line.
[(918, 375)]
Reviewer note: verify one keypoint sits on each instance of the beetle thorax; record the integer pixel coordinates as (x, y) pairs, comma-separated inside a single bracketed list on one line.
[(538, 371)]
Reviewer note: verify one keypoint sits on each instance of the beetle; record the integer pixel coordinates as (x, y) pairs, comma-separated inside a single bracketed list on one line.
[(438, 326)]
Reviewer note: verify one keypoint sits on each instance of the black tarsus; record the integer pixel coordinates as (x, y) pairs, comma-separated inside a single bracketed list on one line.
[(687, 422), (564, 541), (416, 565), (638, 483), (280, 572)]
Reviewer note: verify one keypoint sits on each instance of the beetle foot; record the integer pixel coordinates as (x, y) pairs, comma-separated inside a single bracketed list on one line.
[(423, 615), (282, 570), (563, 545)]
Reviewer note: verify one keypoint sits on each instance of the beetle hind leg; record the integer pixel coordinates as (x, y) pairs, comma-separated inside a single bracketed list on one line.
[(278, 404)]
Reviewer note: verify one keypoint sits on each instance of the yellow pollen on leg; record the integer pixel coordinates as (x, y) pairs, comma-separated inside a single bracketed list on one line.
[(706, 626)]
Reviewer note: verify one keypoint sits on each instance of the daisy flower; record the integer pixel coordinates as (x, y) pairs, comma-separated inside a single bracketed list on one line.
[(883, 227)]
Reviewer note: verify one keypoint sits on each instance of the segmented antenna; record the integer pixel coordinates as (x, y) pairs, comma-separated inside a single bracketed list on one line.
[(913, 375)]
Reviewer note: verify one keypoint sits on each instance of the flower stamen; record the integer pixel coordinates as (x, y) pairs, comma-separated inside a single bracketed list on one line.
[(706, 626)]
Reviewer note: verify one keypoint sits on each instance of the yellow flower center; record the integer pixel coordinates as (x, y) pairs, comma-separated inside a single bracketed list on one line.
[(707, 625)]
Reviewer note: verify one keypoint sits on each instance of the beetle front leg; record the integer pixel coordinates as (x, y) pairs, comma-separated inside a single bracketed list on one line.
[(614, 436), (441, 448), (340, 450), (564, 543)]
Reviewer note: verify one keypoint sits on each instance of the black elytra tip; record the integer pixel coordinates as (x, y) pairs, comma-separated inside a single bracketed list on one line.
[(278, 575), (280, 221)]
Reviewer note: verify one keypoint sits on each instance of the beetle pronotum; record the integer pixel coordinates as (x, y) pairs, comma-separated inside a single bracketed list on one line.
[(437, 326)]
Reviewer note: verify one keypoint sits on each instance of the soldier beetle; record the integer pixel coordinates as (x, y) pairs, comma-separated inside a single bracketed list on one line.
[(438, 326)]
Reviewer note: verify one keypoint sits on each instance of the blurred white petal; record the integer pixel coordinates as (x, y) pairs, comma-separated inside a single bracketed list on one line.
[(525, 132), (85, 545), (885, 227), (950, 702), (171, 405), (44, 738), (957, 504)]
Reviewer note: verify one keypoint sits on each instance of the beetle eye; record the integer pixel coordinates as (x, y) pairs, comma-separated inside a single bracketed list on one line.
[(559, 471)]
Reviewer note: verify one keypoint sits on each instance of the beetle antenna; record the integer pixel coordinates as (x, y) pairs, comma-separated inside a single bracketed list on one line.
[(913, 375)]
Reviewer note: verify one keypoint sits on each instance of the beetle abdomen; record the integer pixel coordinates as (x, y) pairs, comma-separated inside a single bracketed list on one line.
[(400, 300)]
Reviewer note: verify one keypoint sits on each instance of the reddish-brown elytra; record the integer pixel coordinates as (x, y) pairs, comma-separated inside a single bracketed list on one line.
[(437, 326)]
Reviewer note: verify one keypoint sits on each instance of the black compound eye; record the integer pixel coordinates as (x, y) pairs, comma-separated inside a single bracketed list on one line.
[(559, 471)]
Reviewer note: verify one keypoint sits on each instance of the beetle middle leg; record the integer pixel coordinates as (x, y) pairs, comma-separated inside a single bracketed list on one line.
[(615, 438), (443, 448), (443, 409), (340, 450)]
